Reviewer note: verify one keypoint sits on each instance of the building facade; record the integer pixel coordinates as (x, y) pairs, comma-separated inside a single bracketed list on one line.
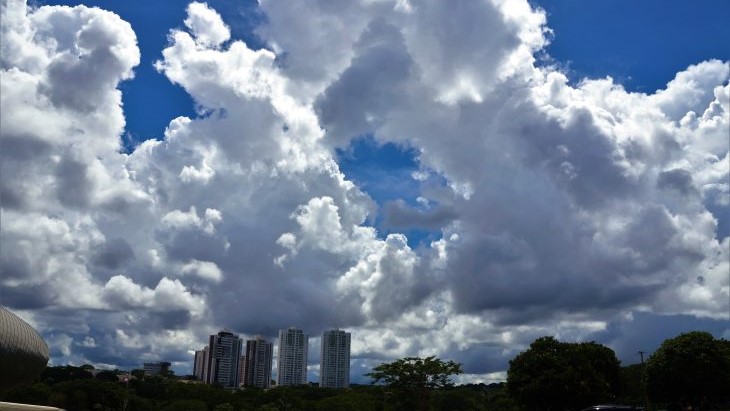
[(292, 360), (334, 362), (241, 370), (157, 368), (259, 356), (200, 366), (222, 363)]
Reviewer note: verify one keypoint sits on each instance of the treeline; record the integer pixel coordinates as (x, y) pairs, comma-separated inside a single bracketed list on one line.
[(689, 372), (170, 394)]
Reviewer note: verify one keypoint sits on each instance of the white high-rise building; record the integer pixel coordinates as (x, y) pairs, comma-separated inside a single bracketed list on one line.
[(334, 362), (200, 366), (292, 361), (257, 372), (223, 356)]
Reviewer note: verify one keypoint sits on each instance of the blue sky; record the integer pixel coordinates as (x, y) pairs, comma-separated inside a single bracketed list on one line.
[(492, 186), (642, 44)]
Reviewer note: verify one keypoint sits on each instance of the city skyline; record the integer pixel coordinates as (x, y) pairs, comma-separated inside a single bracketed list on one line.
[(256, 365), (435, 177)]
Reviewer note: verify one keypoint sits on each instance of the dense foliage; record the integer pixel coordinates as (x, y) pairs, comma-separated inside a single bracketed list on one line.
[(412, 379), (167, 394), (553, 375), (414, 372), (691, 370)]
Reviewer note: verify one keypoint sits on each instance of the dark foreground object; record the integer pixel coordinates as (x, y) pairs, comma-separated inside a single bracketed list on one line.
[(23, 353)]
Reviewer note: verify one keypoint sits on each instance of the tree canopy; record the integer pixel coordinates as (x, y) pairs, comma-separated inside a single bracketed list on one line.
[(414, 372), (415, 377), (691, 369), (553, 375)]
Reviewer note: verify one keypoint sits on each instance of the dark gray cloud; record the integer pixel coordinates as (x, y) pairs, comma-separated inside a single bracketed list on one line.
[(646, 331), (30, 297), (72, 183), (371, 85), (677, 179), (17, 169), (114, 254), (399, 215), (578, 155)]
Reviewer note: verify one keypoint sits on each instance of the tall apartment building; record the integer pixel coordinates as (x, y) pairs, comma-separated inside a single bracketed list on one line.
[(259, 354), (334, 362), (200, 366), (221, 363), (241, 370), (292, 361)]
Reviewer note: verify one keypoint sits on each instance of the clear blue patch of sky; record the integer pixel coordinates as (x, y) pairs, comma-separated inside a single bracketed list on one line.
[(641, 44), (384, 171), (380, 169)]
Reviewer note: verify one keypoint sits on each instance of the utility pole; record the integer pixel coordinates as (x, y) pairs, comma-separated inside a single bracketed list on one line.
[(643, 381)]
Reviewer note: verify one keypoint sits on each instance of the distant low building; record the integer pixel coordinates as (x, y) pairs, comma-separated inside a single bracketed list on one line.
[(125, 377), (157, 368)]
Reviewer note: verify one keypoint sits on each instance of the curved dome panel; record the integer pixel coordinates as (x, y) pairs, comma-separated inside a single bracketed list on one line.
[(23, 353)]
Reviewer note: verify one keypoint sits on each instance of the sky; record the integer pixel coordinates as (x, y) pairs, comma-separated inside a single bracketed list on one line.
[(438, 178)]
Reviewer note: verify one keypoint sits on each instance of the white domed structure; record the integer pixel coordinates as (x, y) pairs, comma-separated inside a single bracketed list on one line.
[(23, 353)]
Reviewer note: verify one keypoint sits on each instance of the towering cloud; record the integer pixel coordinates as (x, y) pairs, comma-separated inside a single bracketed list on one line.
[(558, 209)]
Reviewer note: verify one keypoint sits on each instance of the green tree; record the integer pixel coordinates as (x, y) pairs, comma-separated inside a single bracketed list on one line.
[(223, 407), (498, 399), (109, 376), (462, 398), (37, 394), (553, 375), (633, 381), (53, 375), (692, 369), (82, 394), (412, 379), (186, 405), (348, 400)]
